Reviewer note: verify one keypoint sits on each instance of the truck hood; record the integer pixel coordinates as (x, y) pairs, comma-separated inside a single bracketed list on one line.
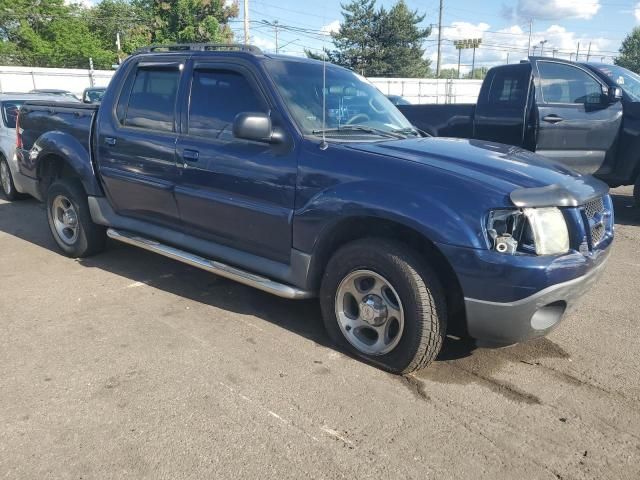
[(529, 180)]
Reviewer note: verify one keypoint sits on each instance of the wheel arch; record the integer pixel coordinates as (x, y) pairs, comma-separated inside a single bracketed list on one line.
[(354, 228), (61, 155)]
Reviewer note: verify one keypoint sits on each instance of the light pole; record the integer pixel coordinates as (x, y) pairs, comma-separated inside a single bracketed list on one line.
[(542, 42), (466, 44)]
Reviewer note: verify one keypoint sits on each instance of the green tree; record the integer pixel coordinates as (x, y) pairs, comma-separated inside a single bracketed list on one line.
[(355, 42), (48, 33), (130, 21), (399, 42), (630, 51), (379, 42), (185, 21)]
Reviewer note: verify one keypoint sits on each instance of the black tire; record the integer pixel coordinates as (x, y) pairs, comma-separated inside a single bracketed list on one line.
[(8, 188), (90, 238), (420, 293)]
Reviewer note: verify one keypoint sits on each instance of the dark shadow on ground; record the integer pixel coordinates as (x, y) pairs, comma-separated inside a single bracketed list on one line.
[(626, 212)]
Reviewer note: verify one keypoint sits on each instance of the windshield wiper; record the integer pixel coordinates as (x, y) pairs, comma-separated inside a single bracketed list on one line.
[(412, 131), (357, 128)]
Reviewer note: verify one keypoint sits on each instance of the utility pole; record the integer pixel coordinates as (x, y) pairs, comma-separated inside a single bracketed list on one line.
[(508, 58), (459, 55), (530, 32), (246, 22), (439, 62), (589, 52), (555, 51), (578, 52), (542, 42), (275, 27), (534, 50)]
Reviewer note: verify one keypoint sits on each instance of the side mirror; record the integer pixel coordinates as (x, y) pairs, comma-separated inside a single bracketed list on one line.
[(255, 126), (615, 94)]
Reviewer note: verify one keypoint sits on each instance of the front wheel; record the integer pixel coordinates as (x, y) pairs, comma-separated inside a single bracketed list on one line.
[(70, 221), (382, 302), (6, 181)]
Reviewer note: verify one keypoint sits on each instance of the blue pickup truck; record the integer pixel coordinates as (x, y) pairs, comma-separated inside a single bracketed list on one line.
[(301, 179)]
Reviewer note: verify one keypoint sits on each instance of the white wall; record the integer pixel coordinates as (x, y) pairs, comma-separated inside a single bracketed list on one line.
[(23, 79), (428, 90)]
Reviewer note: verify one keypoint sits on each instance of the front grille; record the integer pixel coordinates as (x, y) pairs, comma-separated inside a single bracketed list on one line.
[(597, 216)]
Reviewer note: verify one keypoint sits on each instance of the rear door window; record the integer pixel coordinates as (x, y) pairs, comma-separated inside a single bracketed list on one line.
[(567, 84), (152, 101), (509, 88), (217, 96)]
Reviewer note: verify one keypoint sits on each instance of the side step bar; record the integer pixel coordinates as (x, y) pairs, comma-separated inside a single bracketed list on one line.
[(226, 271)]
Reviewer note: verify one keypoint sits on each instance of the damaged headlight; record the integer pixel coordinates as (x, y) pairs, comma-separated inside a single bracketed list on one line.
[(541, 231)]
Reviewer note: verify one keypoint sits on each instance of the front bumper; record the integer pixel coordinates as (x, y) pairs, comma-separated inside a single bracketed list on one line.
[(505, 323), (509, 299)]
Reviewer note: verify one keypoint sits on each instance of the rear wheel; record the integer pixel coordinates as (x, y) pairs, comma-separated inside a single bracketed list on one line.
[(383, 303), (70, 221), (6, 181)]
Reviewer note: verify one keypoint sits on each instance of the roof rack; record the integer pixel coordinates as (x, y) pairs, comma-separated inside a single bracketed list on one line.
[(201, 47)]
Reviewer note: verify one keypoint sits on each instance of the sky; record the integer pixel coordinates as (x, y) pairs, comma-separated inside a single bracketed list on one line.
[(503, 26)]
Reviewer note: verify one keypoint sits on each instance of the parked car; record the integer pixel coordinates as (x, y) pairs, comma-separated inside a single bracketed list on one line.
[(302, 182), (55, 91), (93, 94), (398, 100), (566, 111), (10, 103)]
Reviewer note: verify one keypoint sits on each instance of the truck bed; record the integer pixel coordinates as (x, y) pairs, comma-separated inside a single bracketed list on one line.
[(450, 120), (38, 117)]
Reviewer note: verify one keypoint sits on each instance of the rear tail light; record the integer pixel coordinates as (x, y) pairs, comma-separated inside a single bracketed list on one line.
[(18, 132)]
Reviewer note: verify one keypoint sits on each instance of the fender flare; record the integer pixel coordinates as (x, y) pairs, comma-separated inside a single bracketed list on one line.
[(72, 152)]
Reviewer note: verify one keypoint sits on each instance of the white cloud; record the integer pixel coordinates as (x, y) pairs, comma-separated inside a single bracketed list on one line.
[(263, 43), (332, 27), (636, 12), (511, 43), (553, 9)]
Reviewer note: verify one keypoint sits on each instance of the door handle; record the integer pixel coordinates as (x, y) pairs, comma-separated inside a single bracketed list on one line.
[(552, 118), (110, 141), (190, 155)]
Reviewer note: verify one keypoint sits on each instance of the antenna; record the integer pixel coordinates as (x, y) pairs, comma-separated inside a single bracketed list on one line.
[(324, 145)]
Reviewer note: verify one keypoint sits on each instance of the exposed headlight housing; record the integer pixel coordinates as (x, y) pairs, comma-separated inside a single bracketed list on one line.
[(542, 231)]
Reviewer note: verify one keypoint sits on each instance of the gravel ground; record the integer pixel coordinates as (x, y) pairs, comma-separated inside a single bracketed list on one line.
[(130, 365)]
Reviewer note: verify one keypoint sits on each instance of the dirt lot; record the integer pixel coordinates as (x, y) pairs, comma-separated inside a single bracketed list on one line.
[(129, 365)]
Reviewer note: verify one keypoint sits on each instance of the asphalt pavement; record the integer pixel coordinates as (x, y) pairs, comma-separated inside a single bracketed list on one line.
[(130, 365)]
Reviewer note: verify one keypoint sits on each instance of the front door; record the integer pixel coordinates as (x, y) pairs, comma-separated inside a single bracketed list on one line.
[(136, 146), (235, 192), (577, 124)]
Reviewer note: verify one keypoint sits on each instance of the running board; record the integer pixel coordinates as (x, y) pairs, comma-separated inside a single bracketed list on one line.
[(226, 271)]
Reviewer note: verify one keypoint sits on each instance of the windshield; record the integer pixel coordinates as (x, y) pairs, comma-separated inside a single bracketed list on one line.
[(10, 112), (625, 79), (352, 103)]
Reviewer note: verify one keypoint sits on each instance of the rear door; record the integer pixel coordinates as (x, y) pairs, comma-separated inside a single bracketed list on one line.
[(136, 143), (576, 123), (503, 107), (234, 192)]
